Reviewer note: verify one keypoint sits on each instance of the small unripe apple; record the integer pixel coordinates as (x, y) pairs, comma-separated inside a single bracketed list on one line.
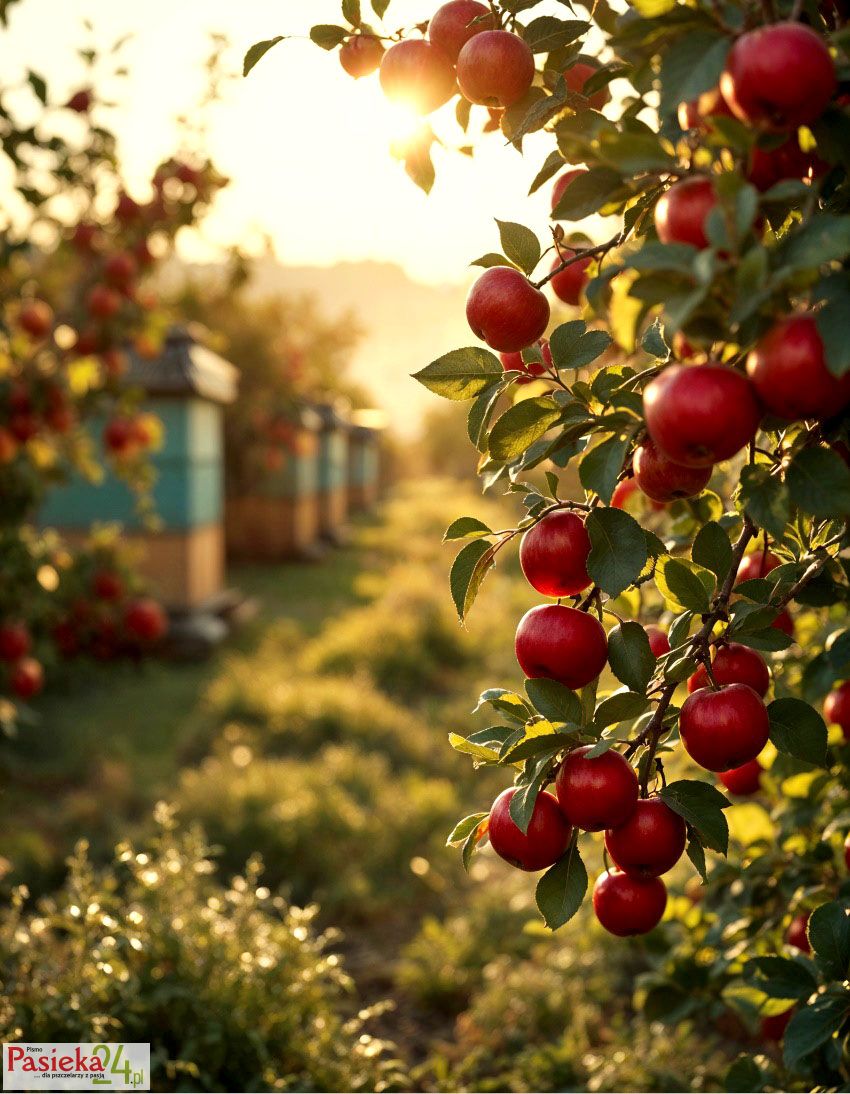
[(506, 311), (650, 842), (836, 707), (627, 905), (495, 68), (797, 933), (662, 479), (559, 643), (452, 25), (553, 555), (103, 302), (779, 76), (546, 840), (788, 370), (743, 781), (417, 74), (361, 55), (36, 318), (659, 643), (577, 75), (596, 792), (699, 415), (757, 564), (15, 641), (725, 728), (26, 678), (563, 184), (682, 211), (513, 362), (734, 664), (568, 283), (144, 619)]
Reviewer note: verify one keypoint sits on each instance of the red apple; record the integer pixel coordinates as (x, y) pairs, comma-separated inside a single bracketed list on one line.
[(361, 55), (568, 283), (734, 664), (659, 643), (743, 781), (836, 707), (553, 555), (120, 269), (8, 446), (699, 415), (103, 302), (107, 585), (546, 840), (144, 619), (80, 102), (577, 76), (452, 25), (681, 212), (622, 492), (513, 362), (767, 166), (597, 792), (127, 209), (663, 480), (36, 318), (697, 113), (725, 728), (788, 370), (650, 842), (15, 641), (627, 905), (847, 852), (563, 184), (506, 311), (757, 564), (119, 436), (773, 1026), (26, 678), (560, 643), (797, 933), (784, 623), (495, 68), (417, 74), (24, 426), (779, 76)]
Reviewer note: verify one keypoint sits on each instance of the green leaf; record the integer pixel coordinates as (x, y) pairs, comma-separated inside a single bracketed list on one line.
[(466, 528), (684, 584), (780, 977), (831, 322), (691, 65), (600, 466), (478, 419), (823, 238), (819, 482), (588, 192), (562, 888), (545, 34), (618, 549), (351, 11), (520, 244), (520, 426), (259, 49), (620, 707), (829, 935), (813, 1026), (470, 748), (380, 7), (464, 827), (491, 259), (551, 166), (522, 803), (764, 498), (39, 86), (549, 743), (574, 346), (696, 853), (467, 573), (701, 806), (798, 730), (632, 153), (712, 549), (554, 700), (743, 1076), (630, 656), (461, 374)]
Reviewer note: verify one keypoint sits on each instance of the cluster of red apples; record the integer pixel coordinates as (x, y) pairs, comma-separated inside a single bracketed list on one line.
[(723, 726)]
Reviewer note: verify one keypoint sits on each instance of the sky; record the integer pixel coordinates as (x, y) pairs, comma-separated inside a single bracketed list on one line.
[(306, 147)]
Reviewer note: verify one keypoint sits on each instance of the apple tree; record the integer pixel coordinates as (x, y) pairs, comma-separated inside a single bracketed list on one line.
[(678, 448)]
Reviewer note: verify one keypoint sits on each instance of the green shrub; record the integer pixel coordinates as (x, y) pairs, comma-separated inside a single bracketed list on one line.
[(297, 715), (341, 828), (233, 989)]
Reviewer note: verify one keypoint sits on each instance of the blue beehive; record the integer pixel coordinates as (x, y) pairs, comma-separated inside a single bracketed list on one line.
[(364, 459), (333, 471), (187, 387)]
